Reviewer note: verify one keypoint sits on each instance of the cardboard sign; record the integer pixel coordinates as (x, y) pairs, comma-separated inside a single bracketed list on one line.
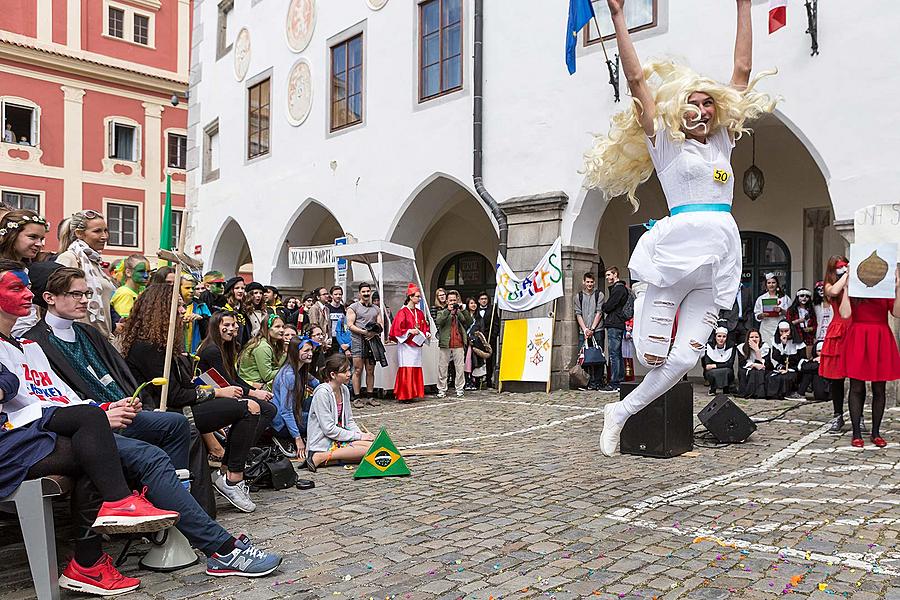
[(872, 270)]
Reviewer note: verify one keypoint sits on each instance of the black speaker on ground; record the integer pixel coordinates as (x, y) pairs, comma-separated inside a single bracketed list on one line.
[(662, 429), (726, 421)]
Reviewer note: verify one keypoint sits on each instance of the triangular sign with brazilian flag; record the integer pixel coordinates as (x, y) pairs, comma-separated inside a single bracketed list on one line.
[(382, 460)]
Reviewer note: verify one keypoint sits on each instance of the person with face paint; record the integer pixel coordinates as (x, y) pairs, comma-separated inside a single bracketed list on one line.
[(292, 396), (213, 294), (22, 234), (718, 363), (802, 319), (832, 364), (83, 237), (134, 274), (196, 315), (684, 126), (48, 429), (770, 308), (219, 351), (255, 306)]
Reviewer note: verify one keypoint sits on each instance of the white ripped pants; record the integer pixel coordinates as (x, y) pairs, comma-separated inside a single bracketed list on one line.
[(654, 310)]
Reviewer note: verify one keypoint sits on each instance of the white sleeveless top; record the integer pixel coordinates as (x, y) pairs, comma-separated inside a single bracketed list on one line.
[(691, 172)]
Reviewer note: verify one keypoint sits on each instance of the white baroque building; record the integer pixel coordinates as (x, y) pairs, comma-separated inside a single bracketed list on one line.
[(309, 119)]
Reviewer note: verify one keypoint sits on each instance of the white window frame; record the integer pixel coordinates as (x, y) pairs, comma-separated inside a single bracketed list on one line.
[(166, 134), (108, 127), (251, 83), (139, 233), (128, 25), (35, 117), (180, 213), (223, 44), (14, 190), (360, 28), (211, 129)]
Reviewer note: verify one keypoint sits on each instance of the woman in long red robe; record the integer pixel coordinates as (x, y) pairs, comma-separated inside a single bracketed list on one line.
[(410, 331)]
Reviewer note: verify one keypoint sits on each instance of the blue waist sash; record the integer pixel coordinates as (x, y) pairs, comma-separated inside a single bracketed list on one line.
[(692, 208)]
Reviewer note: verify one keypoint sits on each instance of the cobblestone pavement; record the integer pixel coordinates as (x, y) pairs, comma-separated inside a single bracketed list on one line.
[(537, 512)]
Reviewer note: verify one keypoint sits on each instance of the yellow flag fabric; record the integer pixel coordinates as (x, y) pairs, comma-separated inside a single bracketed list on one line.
[(526, 350)]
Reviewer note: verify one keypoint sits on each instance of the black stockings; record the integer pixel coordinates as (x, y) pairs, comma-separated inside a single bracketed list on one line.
[(856, 400), (85, 446), (837, 395)]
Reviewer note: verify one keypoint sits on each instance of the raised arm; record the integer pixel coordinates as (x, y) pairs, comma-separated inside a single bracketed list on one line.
[(631, 65), (743, 47)]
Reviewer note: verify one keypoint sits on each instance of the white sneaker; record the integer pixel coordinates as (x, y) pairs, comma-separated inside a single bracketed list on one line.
[(238, 494), (441, 395), (609, 437), (459, 393)]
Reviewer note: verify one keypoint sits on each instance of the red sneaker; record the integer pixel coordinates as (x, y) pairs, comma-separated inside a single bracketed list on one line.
[(103, 579), (857, 443), (133, 514), (879, 441)]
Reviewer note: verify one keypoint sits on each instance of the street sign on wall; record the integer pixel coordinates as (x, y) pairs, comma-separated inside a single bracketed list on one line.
[(311, 257)]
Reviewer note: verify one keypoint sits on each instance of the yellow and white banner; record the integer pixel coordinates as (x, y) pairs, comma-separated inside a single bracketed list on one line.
[(526, 350), (543, 283)]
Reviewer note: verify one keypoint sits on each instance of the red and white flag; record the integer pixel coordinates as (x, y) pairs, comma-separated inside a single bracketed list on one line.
[(777, 15), (212, 378)]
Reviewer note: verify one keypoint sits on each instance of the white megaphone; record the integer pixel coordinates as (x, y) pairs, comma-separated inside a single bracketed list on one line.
[(170, 550)]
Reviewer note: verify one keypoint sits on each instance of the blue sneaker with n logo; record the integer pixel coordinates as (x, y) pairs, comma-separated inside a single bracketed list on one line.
[(244, 561)]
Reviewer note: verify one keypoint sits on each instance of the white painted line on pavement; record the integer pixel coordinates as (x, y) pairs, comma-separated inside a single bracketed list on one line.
[(814, 485), (865, 561), (840, 469), (504, 434), (766, 501), (868, 448), (689, 490), (459, 401)]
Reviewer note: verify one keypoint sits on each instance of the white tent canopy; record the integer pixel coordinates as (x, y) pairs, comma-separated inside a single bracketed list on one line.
[(391, 267)]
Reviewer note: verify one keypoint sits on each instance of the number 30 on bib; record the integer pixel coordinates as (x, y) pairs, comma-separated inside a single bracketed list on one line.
[(721, 175)]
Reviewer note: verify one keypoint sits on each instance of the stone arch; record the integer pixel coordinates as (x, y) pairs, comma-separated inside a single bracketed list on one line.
[(311, 224), (441, 218), (231, 250)]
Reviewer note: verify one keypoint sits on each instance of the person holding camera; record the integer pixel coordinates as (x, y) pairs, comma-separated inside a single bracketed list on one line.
[(452, 324)]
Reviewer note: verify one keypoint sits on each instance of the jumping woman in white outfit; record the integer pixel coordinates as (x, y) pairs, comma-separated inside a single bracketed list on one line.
[(684, 126)]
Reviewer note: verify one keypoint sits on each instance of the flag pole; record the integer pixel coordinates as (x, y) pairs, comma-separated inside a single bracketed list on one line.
[(165, 244)]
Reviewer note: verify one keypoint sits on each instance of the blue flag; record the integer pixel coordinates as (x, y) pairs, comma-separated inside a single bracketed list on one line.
[(580, 12)]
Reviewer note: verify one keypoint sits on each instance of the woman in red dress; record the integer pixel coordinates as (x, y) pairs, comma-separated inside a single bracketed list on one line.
[(831, 362), (410, 330), (871, 354)]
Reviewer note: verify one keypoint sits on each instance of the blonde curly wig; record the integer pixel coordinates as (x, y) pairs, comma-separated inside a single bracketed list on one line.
[(619, 161)]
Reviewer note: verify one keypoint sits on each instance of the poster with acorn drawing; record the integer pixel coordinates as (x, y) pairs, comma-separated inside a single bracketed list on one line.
[(872, 270)]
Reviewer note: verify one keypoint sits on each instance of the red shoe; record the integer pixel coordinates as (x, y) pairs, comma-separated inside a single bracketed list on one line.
[(102, 579), (857, 443), (133, 514), (879, 441)]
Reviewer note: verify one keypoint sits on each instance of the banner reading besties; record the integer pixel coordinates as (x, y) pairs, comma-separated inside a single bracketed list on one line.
[(542, 285)]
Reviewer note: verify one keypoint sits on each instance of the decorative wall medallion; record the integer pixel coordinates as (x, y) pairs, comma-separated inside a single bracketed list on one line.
[(299, 90), (242, 54), (301, 21), (376, 4)]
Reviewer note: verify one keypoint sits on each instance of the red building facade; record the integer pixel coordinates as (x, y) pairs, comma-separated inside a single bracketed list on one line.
[(88, 117)]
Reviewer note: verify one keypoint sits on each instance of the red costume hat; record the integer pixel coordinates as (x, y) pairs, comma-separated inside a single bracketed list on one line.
[(412, 289)]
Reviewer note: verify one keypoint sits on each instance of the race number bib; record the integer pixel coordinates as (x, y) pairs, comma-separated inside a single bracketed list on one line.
[(721, 175)]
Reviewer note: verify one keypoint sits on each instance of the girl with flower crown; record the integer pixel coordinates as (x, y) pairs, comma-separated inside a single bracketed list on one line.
[(22, 234), (684, 126)]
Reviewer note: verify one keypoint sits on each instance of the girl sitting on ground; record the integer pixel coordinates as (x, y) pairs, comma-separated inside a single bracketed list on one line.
[(332, 434), (292, 397), (264, 354)]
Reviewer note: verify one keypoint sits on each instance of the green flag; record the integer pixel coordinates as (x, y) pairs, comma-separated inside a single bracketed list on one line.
[(165, 234), (382, 460)]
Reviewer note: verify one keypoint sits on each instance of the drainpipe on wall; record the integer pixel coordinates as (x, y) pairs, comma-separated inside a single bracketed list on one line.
[(477, 114)]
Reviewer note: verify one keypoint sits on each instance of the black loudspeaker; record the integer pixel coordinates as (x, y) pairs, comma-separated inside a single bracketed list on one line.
[(728, 423), (662, 429)]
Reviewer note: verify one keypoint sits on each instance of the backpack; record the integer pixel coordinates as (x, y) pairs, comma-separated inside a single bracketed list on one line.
[(268, 468), (628, 309)]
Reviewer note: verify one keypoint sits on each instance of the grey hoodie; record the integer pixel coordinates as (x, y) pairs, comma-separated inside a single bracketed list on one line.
[(322, 428)]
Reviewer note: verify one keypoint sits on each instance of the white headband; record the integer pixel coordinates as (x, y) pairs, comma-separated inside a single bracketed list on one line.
[(721, 330)]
